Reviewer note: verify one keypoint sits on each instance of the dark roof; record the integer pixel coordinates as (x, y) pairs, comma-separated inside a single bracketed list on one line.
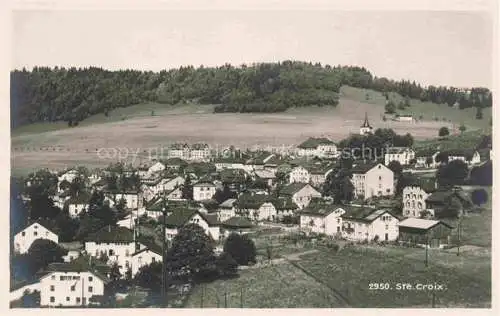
[(366, 123), (199, 146), (321, 209), (292, 188), (426, 184), (315, 142), (175, 161), (439, 196), (238, 222), (363, 167), (320, 168), (251, 201), (81, 264), (110, 234), (204, 184), (211, 219), (364, 214), (397, 150), (150, 245), (180, 217), (426, 152), (284, 204), (232, 175)]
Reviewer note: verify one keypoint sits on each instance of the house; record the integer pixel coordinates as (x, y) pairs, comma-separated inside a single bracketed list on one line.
[(415, 196), (78, 204), (404, 118), (175, 164), (372, 180), (267, 176), (180, 151), (426, 158), (181, 217), (318, 173), (71, 255), (199, 152), (61, 198), (67, 176), (259, 161), (403, 155), (256, 207), (174, 194), (233, 178), (222, 163), (227, 209), (322, 219), (144, 257), (116, 242), (147, 193), (150, 168), (133, 198), (203, 191), (366, 128), (236, 225), (71, 284), (448, 203), (317, 147), (26, 237), (284, 207), (299, 174), (300, 193), (359, 223), (470, 157), (424, 232)]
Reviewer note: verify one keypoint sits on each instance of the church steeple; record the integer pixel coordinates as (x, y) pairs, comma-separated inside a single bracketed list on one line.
[(366, 123)]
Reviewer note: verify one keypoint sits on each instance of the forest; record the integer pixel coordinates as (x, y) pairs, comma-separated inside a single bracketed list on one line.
[(72, 94)]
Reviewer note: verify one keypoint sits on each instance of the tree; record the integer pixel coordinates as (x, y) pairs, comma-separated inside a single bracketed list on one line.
[(407, 102), (453, 173), (462, 128), (187, 189), (191, 254), (224, 194), (66, 227), (479, 196), (115, 274), (42, 252), (149, 276), (241, 248), (444, 131), (339, 186), (482, 175), (226, 265), (390, 107), (395, 167)]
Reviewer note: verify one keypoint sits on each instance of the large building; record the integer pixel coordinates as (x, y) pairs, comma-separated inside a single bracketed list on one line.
[(369, 224), (415, 196), (300, 193), (371, 180), (322, 219), (403, 155), (203, 191), (317, 147)]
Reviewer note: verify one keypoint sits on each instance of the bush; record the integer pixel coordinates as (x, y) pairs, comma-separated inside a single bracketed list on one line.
[(241, 249), (479, 196), (444, 131)]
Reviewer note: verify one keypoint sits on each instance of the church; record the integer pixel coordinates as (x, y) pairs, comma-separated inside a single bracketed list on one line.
[(365, 129)]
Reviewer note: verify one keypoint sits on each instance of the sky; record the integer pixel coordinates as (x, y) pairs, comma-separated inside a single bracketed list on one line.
[(452, 48)]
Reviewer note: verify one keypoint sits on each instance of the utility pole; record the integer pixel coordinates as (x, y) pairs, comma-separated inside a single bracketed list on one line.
[(241, 298), (225, 299), (426, 252), (458, 228), (164, 254), (202, 293)]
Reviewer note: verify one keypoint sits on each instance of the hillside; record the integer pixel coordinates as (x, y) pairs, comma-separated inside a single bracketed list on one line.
[(72, 95)]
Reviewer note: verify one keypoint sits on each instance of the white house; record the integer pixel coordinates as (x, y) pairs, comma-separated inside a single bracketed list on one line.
[(118, 243), (24, 238), (78, 204), (404, 118), (426, 158), (144, 257), (227, 209), (203, 191), (133, 199), (414, 196), (299, 174), (369, 224), (200, 152), (403, 155), (71, 255), (322, 219), (182, 217), (300, 193), (372, 180), (470, 157), (69, 285), (256, 207), (317, 147)]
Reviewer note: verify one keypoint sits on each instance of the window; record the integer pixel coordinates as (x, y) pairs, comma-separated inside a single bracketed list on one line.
[(52, 288), (72, 288), (90, 279), (35, 233), (23, 234), (53, 277), (153, 259), (67, 298), (52, 299), (127, 253), (379, 178), (90, 289), (111, 252), (386, 226), (78, 300)]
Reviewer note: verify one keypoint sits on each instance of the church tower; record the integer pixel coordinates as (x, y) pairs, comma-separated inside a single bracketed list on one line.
[(365, 129)]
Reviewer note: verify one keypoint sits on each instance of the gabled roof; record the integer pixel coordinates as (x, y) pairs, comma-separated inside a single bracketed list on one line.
[(251, 201), (265, 174), (292, 188), (180, 217), (321, 209), (112, 234), (363, 167), (81, 198), (439, 196), (199, 146), (364, 214), (175, 161), (204, 184), (284, 204), (397, 150), (426, 152), (45, 223), (80, 264), (238, 222), (229, 203), (366, 123), (313, 143), (420, 223), (426, 184)]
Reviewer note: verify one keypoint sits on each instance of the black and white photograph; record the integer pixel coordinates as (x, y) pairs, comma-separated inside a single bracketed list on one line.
[(260, 157)]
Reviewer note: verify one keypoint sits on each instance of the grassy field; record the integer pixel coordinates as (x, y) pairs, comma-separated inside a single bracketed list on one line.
[(352, 270), (279, 286)]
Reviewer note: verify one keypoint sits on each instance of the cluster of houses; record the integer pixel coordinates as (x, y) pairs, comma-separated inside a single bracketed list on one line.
[(289, 187)]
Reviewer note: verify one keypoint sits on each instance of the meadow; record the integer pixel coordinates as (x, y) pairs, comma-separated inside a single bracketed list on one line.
[(147, 127)]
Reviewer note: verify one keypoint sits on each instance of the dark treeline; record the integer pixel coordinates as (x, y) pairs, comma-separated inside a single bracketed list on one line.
[(72, 94)]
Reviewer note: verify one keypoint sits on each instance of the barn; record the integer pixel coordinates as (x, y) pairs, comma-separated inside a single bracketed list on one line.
[(423, 231)]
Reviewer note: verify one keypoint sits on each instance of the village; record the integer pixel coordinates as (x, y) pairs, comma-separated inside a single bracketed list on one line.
[(318, 193)]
